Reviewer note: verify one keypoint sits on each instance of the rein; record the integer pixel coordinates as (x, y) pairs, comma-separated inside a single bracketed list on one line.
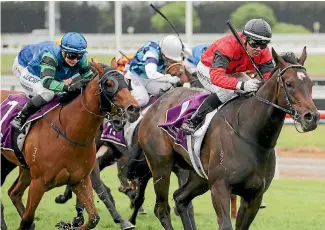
[(291, 111), (104, 95)]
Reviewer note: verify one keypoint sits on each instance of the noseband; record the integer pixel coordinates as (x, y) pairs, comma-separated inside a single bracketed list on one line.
[(172, 65), (106, 96), (291, 111)]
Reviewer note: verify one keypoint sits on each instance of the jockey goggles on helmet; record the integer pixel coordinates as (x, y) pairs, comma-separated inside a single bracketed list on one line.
[(255, 44), (73, 56)]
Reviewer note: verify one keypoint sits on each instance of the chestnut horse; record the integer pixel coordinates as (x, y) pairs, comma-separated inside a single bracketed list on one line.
[(116, 152), (55, 159), (237, 152)]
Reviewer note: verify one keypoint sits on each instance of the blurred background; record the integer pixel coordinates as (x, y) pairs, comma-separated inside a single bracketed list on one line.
[(110, 27)]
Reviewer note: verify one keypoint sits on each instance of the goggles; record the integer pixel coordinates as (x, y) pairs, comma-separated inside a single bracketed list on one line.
[(255, 44)]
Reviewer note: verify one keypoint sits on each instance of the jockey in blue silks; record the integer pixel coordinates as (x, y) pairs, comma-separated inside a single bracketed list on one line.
[(47, 66)]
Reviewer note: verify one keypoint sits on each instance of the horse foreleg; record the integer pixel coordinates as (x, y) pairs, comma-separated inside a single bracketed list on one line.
[(233, 203), (84, 193), (139, 199), (105, 196), (79, 219), (63, 198), (192, 187), (220, 198), (247, 212), (35, 194), (16, 191)]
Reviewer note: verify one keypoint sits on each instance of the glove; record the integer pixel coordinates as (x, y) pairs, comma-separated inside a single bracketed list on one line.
[(76, 85), (251, 85), (172, 79)]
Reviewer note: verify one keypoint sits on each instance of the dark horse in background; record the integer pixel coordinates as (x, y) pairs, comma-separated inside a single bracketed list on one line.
[(237, 152), (132, 163)]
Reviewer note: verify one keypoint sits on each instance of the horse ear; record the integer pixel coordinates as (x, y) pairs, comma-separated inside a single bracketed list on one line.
[(98, 67), (278, 59), (114, 63), (303, 57)]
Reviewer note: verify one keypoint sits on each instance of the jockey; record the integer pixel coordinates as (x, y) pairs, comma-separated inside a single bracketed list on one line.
[(148, 63), (224, 60), (26, 54), (194, 58), (48, 68)]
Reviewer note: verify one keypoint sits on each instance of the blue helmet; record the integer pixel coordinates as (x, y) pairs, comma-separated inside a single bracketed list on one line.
[(73, 42)]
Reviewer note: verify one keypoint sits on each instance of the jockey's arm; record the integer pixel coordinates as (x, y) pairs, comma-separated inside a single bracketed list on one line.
[(48, 68), (85, 70), (151, 61), (218, 73)]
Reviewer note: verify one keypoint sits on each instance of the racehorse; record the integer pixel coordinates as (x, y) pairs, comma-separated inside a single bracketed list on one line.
[(49, 151), (115, 152), (237, 152)]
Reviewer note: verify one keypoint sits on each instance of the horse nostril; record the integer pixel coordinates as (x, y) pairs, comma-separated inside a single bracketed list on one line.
[(309, 117)]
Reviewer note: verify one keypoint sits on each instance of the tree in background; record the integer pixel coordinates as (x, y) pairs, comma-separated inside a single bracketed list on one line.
[(175, 12), (22, 17), (286, 28), (252, 10), (79, 17)]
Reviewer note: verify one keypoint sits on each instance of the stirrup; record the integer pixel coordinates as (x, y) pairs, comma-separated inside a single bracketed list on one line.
[(18, 123)]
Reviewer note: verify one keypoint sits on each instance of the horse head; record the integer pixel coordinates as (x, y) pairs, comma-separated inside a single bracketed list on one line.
[(294, 90), (114, 92), (177, 69)]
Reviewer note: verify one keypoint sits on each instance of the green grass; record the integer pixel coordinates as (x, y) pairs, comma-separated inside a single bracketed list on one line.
[(292, 205), (290, 138), (314, 63)]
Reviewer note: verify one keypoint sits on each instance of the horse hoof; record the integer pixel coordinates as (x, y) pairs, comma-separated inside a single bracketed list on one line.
[(78, 221), (127, 225), (142, 211), (175, 211), (63, 225), (61, 199), (263, 205)]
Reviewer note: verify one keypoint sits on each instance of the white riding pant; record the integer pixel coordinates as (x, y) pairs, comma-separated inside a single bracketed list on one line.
[(33, 86), (205, 79), (190, 67), (17, 69), (142, 87)]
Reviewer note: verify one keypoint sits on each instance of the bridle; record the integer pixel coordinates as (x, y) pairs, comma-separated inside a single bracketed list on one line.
[(291, 111)]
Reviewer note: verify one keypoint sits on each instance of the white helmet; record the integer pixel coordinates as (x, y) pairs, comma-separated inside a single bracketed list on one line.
[(172, 47)]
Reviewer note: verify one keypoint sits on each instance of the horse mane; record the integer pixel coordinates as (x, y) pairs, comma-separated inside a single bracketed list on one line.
[(288, 57)]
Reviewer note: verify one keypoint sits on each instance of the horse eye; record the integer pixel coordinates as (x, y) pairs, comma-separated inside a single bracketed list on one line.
[(288, 84), (179, 74)]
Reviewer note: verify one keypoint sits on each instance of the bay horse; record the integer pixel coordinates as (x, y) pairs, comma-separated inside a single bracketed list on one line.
[(237, 152), (54, 159), (131, 162)]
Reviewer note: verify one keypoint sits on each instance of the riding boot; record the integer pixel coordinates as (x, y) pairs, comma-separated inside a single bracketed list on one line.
[(191, 125), (32, 106)]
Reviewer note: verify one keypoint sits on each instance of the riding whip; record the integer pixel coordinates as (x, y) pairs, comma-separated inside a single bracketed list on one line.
[(124, 55), (162, 15)]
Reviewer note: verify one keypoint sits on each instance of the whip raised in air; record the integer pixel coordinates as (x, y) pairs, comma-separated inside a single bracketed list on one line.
[(162, 15)]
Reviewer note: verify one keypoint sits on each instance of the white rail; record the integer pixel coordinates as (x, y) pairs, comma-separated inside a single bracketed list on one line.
[(105, 44)]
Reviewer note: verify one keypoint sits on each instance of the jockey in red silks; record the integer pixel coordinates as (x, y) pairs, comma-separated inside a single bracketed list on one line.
[(222, 66)]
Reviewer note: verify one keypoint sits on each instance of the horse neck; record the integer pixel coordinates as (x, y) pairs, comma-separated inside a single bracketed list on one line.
[(80, 124), (261, 121)]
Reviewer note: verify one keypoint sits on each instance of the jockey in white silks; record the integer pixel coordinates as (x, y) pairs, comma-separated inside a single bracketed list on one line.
[(148, 63)]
